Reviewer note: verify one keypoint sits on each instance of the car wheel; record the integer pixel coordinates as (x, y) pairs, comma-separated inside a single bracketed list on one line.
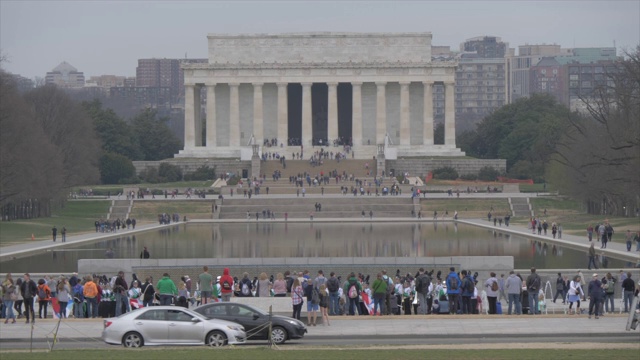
[(132, 340), (278, 335), (216, 338)]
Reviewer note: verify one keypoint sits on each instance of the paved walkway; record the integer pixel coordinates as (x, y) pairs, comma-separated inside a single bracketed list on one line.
[(430, 325)]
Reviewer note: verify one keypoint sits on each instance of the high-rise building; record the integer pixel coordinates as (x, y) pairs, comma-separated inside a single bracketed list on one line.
[(480, 79), (164, 73), (518, 67), (65, 76), (571, 79)]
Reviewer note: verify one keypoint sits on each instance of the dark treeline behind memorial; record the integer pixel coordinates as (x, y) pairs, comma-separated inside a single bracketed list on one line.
[(50, 144)]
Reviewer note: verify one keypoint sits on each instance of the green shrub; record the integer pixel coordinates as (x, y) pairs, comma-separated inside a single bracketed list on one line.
[(233, 180), (488, 173), (202, 173), (150, 175), (169, 173), (469, 177), (445, 173), (114, 167)]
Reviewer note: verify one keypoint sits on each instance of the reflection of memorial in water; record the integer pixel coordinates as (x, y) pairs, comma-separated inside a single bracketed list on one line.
[(266, 239)]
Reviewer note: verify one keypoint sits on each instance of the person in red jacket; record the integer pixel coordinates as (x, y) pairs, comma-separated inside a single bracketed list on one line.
[(44, 296), (226, 285)]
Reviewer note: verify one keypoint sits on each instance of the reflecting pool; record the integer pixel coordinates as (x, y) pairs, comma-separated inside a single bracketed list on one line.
[(267, 240)]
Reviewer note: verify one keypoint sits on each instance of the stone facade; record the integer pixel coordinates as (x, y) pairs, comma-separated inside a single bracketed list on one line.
[(222, 166), (248, 80), (421, 167)]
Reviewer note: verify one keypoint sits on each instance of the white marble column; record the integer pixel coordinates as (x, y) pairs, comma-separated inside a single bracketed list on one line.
[(211, 116), (356, 116), (189, 118), (197, 107), (427, 114), (405, 129), (234, 115), (332, 112), (258, 126), (283, 114), (449, 115), (307, 126), (381, 112)]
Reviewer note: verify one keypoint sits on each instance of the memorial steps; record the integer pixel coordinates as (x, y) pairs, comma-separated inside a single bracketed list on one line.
[(357, 167), (300, 207)]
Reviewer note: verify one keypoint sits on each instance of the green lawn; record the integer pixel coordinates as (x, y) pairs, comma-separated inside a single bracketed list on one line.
[(537, 188), (149, 210), (264, 353), (77, 216), (467, 208)]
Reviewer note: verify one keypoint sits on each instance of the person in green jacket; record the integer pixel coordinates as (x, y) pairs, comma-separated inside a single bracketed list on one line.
[(353, 297), (379, 293), (167, 289)]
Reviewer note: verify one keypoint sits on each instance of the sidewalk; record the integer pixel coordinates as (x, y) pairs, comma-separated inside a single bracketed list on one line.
[(415, 325), (618, 250)]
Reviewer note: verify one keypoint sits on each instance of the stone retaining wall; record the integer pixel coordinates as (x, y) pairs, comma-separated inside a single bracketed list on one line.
[(189, 165), (421, 167)]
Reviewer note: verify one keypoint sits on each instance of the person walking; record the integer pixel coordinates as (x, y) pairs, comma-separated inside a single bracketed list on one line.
[(167, 289), (560, 290), (29, 290), (595, 296), (379, 293), (492, 288), (64, 296), (206, 285), (8, 297), (592, 257), (296, 298), (90, 293), (533, 286), (575, 294), (145, 253), (514, 291)]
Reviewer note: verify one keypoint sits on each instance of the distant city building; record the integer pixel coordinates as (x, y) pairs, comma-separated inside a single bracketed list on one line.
[(571, 79), (518, 67), (164, 73), (65, 76), (141, 96), (480, 80), (109, 81)]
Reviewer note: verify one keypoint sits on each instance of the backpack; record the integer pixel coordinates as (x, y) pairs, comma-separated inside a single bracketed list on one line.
[(453, 283), (41, 293), (494, 286), (353, 291), (245, 289), (423, 284), (333, 285), (315, 296), (535, 284), (226, 285)]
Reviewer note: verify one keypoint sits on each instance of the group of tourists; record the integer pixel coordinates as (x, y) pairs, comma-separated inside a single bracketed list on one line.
[(421, 293), (106, 226)]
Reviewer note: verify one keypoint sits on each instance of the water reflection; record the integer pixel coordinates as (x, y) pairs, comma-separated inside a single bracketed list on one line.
[(268, 240)]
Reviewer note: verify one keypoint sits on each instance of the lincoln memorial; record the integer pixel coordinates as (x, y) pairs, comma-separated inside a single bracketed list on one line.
[(294, 92)]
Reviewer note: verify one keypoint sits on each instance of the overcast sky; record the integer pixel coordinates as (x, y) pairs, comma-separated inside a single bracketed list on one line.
[(107, 37)]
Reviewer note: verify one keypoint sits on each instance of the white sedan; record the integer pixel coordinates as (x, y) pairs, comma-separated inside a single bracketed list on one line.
[(170, 325)]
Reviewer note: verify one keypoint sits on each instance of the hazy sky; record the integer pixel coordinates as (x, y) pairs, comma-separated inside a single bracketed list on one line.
[(107, 37)]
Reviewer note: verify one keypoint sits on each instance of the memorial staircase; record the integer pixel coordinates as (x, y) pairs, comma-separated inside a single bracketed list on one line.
[(348, 206), (355, 167)]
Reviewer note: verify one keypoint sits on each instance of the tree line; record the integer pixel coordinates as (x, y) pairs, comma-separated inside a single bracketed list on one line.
[(50, 144), (592, 155)]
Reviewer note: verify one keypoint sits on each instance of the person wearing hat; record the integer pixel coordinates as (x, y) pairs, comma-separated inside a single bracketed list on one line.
[(595, 296)]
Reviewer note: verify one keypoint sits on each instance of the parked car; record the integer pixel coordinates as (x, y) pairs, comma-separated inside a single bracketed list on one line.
[(255, 321), (170, 325)]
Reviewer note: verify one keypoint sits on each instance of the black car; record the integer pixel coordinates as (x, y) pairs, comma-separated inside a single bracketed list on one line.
[(255, 321)]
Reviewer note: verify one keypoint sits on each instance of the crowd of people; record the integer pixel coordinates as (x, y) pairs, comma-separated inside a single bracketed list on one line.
[(105, 226), (457, 292)]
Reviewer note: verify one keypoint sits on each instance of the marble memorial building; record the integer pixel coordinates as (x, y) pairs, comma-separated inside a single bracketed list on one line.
[(291, 92)]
